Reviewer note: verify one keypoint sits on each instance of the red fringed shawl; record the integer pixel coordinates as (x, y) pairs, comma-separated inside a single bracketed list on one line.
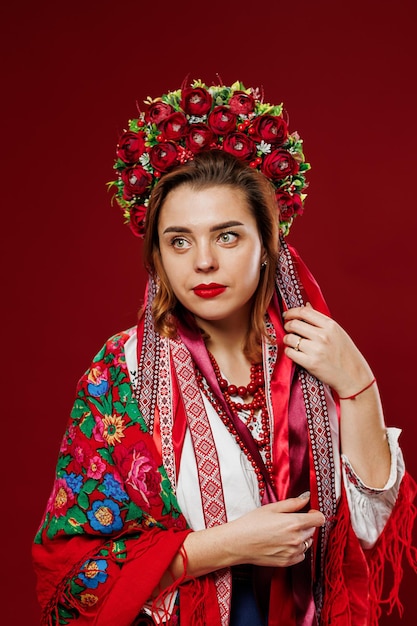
[(112, 524)]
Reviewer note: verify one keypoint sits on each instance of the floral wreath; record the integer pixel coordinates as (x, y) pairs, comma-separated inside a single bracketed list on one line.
[(192, 119)]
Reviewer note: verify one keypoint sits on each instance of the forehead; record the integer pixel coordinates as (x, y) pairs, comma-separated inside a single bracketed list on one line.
[(193, 206)]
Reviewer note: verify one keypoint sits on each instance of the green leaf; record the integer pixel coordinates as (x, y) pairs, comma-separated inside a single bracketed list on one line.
[(56, 524), (90, 485), (117, 375), (124, 392), (87, 425), (74, 520), (134, 125), (65, 614), (107, 403), (83, 500), (63, 462), (109, 357), (104, 404), (119, 408), (99, 356), (167, 494), (119, 549), (134, 513), (133, 412), (76, 589), (105, 454), (79, 409)]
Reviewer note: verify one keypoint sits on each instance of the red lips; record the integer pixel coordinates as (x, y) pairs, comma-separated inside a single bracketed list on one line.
[(209, 291)]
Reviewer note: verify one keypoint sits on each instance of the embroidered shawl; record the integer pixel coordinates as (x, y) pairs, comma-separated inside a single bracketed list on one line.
[(112, 524)]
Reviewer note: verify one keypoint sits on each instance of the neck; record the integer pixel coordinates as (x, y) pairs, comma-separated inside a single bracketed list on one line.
[(227, 334), (226, 341)]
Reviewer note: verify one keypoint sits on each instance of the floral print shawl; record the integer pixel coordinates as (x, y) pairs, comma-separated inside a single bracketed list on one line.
[(112, 523)]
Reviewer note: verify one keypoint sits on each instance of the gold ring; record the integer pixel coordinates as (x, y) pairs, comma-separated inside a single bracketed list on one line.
[(297, 345), (306, 546)]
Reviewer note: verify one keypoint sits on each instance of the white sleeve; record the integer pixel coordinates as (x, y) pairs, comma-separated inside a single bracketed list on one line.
[(370, 508)]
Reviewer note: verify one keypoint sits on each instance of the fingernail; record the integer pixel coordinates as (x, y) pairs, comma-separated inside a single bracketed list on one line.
[(305, 495), (284, 314)]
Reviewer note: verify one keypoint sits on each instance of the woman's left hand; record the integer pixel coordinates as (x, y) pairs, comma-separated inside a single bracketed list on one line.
[(323, 348)]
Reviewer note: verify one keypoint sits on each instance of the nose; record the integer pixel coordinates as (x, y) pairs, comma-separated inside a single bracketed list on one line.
[(205, 258)]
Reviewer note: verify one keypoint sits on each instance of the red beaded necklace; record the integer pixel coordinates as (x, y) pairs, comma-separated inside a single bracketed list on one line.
[(259, 427)]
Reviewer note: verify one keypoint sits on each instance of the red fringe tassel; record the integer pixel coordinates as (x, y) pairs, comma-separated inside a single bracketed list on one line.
[(355, 580)]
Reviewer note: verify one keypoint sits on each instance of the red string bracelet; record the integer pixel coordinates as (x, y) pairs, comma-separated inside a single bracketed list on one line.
[(352, 397)]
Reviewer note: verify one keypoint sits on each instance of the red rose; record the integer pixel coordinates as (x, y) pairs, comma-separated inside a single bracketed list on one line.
[(130, 147), (157, 112), (140, 472), (164, 156), (196, 101), (136, 181), (240, 145), (241, 103), (174, 126), (270, 128), (221, 120), (137, 220), (199, 137), (289, 205), (279, 164)]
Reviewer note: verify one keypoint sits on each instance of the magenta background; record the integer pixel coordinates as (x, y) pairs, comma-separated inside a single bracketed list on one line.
[(72, 272)]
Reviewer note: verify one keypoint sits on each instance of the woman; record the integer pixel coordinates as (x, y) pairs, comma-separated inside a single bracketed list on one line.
[(226, 461)]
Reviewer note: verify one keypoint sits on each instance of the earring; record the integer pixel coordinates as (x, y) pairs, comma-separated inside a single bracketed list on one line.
[(264, 264)]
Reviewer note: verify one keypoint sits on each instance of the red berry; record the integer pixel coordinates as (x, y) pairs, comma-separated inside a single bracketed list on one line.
[(242, 391)]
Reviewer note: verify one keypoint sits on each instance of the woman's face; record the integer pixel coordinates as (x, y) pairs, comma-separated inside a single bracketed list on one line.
[(211, 251)]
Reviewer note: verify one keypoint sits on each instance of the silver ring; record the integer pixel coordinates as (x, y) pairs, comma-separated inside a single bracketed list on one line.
[(297, 345), (306, 546)]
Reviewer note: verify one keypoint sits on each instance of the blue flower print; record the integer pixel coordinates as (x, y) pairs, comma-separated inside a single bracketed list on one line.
[(97, 382), (105, 516), (113, 489), (74, 481), (97, 390), (93, 573)]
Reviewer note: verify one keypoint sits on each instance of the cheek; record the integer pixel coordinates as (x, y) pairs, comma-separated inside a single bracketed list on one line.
[(173, 272), (250, 265)]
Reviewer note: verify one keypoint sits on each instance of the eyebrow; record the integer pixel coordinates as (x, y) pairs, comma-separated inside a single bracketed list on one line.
[(184, 229)]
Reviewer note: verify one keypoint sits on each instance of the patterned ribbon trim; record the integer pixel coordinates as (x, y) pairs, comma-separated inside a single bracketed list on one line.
[(166, 412), (207, 461), (148, 362), (316, 412), (154, 389)]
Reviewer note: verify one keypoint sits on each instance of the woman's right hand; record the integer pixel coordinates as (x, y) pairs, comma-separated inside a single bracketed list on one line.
[(274, 535)]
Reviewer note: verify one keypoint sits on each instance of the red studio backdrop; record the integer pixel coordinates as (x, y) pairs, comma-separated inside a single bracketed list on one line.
[(72, 73)]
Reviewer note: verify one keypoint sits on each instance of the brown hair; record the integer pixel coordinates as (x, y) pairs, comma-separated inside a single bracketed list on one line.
[(211, 169)]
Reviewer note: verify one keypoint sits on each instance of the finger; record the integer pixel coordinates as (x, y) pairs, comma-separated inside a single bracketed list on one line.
[(302, 328), (297, 342), (312, 520), (300, 357), (291, 505), (317, 516), (308, 314), (307, 521), (306, 544)]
